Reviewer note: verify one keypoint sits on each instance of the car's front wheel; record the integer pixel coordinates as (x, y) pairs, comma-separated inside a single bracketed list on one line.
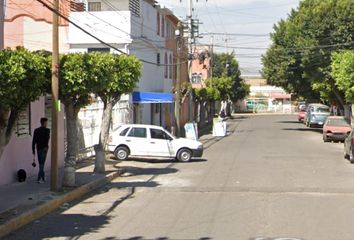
[(325, 139), (121, 153), (184, 155)]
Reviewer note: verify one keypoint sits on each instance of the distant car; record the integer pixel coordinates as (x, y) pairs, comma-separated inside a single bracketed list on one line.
[(349, 147), (316, 114), (301, 115), (250, 105), (336, 128), (138, 140), (301, 106)]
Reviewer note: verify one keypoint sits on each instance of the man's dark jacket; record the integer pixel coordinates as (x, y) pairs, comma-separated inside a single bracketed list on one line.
[(40, 138)]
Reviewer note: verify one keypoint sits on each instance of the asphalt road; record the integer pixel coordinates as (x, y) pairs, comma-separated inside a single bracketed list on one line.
[(272, 178)]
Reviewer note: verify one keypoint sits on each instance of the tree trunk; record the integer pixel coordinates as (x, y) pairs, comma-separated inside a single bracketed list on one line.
[(7, 123), (347, 113), (198, 115), (202, 113), (72, 145), (100, 148), (339, 98), (337, 94)]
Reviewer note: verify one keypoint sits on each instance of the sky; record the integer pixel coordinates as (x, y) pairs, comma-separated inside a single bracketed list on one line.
[(242, 26)]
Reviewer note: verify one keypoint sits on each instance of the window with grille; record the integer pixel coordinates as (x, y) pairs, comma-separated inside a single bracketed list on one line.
[(168, 29), (196, 78), (158, 58), (163, 26), (166, 65), (134, 7), (170, 74), (158, 24), (94, 6), (98, 50)]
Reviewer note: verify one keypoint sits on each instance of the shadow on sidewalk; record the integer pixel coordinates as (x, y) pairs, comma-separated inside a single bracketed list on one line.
[(71, 226)]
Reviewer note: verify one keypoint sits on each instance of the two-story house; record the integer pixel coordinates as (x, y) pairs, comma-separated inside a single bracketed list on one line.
[(134, 27)]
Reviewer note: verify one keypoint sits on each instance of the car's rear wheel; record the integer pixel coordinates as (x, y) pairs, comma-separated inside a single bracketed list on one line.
[(121, 153), (184, 155), (351, 158), (325, 139), (345, 155)]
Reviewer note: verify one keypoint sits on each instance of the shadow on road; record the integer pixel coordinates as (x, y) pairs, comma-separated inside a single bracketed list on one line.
[(287, 122), (135, 171), (318, 130), (159, 238), (71, 226), (144, 184)]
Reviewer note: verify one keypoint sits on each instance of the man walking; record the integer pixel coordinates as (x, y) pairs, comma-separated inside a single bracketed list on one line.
[(41, 139)]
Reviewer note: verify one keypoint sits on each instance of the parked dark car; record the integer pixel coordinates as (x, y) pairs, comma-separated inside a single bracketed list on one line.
[(349, 147), (336, 128)]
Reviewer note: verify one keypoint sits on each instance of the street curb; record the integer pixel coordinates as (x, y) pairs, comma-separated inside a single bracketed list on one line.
[(52, 205)]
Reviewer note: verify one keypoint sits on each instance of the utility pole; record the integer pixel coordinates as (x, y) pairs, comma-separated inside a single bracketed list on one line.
[(2, 23), (212, 56), (190, 54), (54, 186), (178, 79)]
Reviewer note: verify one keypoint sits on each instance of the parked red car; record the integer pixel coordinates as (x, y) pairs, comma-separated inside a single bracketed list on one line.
[(336, 128), (301, 115)]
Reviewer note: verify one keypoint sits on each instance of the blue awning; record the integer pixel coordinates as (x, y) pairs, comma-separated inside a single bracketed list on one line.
[(152, 97)]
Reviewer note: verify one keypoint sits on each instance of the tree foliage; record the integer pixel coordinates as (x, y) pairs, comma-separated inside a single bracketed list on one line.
[(227, 77), (22, 80), (299, 59), (111, 75), (82, 74), (343, 73), (74, 91)]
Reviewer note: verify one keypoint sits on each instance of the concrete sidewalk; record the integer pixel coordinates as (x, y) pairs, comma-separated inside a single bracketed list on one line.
[(22, 203)]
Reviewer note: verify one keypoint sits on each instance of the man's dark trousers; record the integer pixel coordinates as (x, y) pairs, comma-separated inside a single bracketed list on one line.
[(42, 154)]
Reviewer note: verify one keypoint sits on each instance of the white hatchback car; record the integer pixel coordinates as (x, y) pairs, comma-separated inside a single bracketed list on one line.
[(138, 140)]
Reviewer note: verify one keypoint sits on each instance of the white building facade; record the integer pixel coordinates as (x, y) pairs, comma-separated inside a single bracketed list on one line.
[(134, 27)]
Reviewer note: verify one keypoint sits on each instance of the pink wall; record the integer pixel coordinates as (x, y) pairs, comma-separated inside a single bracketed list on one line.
[(28, 24), (35, 10), (18, 153)]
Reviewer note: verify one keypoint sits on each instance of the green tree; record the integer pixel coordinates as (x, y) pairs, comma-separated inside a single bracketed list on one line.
[(224, 85), (226, 66), (111, 75), (205, 97), (299, 58), (22, 81), (74, 92), (343, 73)]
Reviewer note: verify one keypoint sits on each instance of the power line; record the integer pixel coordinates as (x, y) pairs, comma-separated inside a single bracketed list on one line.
[(236, 34), (93, 36), (296, 48)]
